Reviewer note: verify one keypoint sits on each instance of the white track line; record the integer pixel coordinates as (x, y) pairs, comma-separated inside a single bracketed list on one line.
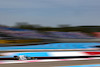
[(46, 60)]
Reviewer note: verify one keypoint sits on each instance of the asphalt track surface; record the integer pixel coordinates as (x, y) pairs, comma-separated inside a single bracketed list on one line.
[(52, 64), (46, 50)]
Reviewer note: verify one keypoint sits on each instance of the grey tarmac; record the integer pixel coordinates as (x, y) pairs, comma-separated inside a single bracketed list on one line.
[(52, 64)]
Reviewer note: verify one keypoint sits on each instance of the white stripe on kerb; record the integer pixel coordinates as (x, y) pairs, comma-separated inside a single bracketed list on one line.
[(66, 54)]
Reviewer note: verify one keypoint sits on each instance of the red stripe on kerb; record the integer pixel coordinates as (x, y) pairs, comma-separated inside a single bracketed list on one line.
[(93, 53)]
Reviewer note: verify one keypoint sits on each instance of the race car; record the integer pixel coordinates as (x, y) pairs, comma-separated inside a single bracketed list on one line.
[(49, 55)]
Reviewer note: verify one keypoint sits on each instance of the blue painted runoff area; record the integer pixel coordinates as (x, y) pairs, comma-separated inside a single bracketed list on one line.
[(54, 46), (96, 65), (34, 54), (28, 54)]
